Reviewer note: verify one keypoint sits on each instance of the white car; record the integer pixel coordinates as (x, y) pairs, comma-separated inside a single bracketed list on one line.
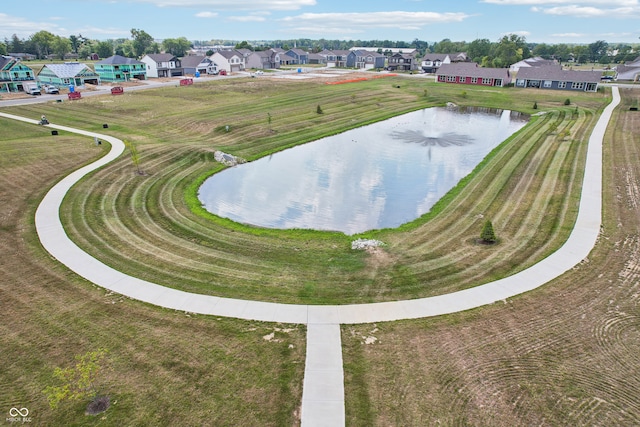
[(51, 89)]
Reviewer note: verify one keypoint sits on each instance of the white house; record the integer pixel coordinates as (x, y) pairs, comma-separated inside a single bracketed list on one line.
[(163, 65), (228, 60)]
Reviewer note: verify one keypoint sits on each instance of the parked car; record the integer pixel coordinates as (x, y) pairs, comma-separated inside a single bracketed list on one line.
[(223, 72), (51, 89), (259, 73), (32, 89)]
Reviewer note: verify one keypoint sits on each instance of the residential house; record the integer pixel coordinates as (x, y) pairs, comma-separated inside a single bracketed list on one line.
[(532, 62), (335, 58), (315, 58), (629, 71), (388, 50), (365, 59), (432, 61), (117, 68), (193, 64), (263, 60), (402, 62), (299, 57), (245, 52), (69, 73), (228, 60), (470, 73), (163, 65), (13, 74), (22, 56), (554, 77)]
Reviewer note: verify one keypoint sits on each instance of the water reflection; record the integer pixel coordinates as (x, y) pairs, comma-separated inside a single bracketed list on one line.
[(378, 176)]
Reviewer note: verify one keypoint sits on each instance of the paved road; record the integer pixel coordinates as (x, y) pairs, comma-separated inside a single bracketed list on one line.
[(323, 383)]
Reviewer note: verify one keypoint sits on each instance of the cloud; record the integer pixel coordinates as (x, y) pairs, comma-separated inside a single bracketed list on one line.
[(206, 14), (356, 22), (250, 18), (24, 28), (621, 3), (569, 35), (234, 4), (590, 12)]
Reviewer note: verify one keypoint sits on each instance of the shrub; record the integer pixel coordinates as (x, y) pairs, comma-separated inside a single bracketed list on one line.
[(488, 235), (319, 109), (535, 105), (567, 101)]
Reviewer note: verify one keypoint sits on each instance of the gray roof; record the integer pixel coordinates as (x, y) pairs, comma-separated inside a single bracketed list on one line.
[(627, 72), (230, 53), (119, 60), (471, 69), (458, 56), (67, 70), (161, 57), (192, 60), (555, 73)]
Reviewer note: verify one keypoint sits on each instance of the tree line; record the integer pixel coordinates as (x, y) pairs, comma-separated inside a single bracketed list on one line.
[(501, 53)]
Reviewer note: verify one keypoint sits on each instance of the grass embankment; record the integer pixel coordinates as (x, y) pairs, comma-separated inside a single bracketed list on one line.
[(163, 367), (143, 226), (564, 355)]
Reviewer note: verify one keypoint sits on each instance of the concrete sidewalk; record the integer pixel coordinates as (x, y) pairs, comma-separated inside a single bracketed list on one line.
[(323, 384)]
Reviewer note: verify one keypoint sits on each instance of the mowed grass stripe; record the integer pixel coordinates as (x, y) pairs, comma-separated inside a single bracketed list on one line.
[(431, 255)]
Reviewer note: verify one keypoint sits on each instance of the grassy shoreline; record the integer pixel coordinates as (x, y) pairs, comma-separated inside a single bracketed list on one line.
[(153, 226)]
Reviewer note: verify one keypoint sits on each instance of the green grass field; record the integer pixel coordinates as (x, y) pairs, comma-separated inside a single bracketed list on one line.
[(490, 366), (153, 227)]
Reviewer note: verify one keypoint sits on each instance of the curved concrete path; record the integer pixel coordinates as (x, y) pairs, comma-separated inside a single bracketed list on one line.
[(323, 390)]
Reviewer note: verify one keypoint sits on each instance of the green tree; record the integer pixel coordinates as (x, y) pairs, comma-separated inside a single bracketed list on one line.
[(3, 48), (178, 47), (509, 50), (478, 49), (43, 42), (79, 382), (141, 41), (61, 46), (244, 45), (135, 157), (16, 45), (488, 235), (104, 49)]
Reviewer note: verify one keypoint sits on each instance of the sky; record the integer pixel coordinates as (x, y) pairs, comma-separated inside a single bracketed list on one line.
[(539, 21)]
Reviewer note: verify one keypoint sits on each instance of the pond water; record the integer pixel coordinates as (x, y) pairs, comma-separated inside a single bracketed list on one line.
[(378, 176)]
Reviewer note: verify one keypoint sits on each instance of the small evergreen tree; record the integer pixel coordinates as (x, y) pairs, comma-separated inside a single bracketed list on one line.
[(319, 110), (567, 101), (535, 105), (488, 235)]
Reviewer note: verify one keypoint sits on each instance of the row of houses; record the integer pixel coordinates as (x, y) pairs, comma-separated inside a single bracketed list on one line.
[(449, 68), (543, 76)]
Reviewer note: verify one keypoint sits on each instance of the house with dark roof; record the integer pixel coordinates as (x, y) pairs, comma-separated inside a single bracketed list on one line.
[(117, 68), (629, 71), (532, 62), (14, 74), (263, 60), (335, 58), (228, 60), (365, 59), (299, 57), (192, 64), (554, 77), (69, 73), (432, 61), (163, 65), (469, 73), (402, 62)]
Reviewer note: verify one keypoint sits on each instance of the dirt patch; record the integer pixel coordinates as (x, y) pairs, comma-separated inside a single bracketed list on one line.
[(379, 258)]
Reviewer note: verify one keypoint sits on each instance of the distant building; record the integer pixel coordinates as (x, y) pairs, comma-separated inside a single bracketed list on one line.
[(162, 65), (555, 78), (432, 61), (117, 68), (469, 73), (532, 62), (69, 73), (14, 74), (629, 71)]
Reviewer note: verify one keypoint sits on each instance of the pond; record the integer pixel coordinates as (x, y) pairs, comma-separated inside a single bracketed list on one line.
[(377, 176)]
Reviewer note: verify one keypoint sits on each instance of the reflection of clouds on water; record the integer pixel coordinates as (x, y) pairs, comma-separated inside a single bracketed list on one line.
[(377, 176), (444, 140)]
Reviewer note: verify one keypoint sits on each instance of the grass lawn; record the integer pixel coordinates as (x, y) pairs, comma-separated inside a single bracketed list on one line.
[(163, 367), (153, 227), (490, 366), (563, 355)]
